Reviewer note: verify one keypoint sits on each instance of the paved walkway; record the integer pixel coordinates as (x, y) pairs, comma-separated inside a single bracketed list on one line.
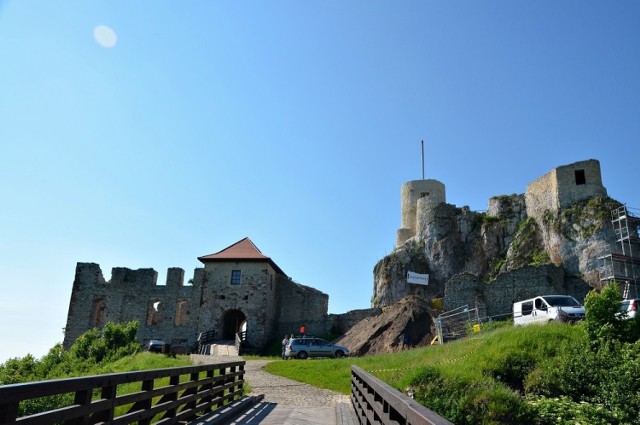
[(288, 402)]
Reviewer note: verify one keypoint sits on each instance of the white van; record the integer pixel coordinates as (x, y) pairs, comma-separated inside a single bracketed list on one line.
[(545, 308)]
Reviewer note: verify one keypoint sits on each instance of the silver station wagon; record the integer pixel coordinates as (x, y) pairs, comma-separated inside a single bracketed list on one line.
[(301, 348)]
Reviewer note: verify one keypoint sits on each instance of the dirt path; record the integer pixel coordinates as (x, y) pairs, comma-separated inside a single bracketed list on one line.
[(277, 389), (287, 402)]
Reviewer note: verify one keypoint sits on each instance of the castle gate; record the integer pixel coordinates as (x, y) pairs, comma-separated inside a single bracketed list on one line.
[(233, 321)]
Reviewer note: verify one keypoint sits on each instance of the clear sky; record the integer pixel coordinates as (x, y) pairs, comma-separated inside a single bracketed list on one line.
[(148, 133)]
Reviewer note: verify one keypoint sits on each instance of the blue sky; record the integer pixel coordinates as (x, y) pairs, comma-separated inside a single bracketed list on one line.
[(292, 123)]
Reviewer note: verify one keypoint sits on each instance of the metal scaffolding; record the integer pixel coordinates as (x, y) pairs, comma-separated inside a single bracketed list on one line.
[(622, 263)]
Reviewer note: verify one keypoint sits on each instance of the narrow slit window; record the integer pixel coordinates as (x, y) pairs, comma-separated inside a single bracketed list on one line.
[(580, 177)]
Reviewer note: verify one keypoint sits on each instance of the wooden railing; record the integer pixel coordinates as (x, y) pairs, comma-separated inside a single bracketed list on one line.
[(241, 338), (204, 339), (189, 392), (377, 403)]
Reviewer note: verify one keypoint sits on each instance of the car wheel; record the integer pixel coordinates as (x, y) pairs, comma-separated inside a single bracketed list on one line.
[(302, 355), (339, 354)]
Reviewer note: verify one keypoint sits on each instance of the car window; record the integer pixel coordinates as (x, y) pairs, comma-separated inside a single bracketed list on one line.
[(624, 305), (562, 301), (540, 304)]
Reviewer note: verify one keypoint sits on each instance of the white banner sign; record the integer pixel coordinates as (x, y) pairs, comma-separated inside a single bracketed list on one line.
[(420, 279)]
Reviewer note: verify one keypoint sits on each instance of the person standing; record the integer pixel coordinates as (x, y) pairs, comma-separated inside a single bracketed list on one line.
[(405, 341), (303, 330), (285, 341)]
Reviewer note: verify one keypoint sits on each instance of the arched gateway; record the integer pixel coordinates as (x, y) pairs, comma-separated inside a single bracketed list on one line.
[(236, 284), (233, 321)]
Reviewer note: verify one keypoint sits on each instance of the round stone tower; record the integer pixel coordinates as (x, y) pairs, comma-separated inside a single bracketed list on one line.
[(431, 192)]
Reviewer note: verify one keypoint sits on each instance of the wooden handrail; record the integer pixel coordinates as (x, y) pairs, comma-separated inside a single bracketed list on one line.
[(191, 391), (241, 337), (376, 402)]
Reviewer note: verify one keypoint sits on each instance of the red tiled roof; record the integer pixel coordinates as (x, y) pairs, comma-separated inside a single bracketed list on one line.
[(243, 250)]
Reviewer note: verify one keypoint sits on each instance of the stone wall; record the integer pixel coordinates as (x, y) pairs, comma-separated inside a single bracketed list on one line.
[(341, 323), (177, 313), (563, 186), (571, 185), (497, 297), (164, 312), (254, 298), (542, 195), (301, 305)]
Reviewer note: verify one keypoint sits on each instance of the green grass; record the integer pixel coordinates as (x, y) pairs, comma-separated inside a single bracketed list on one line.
[(144, 361), (480, 379), (139, 362), (503, 355)]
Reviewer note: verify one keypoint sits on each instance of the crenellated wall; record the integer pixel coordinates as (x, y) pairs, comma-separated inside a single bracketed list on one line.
[(177, 313), (163, 311)]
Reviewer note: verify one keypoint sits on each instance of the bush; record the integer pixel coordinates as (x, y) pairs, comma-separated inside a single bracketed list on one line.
[(513, 368), (601, 321), (605, 376), (604, 320), (573, 372), (465, 401), (563, 410), (18, 370), (90, 351)]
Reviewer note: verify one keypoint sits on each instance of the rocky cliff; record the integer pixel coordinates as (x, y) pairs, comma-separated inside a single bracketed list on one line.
[(451, 241)]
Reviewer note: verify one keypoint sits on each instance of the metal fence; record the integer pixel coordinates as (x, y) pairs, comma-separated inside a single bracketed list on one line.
[(463, 321)]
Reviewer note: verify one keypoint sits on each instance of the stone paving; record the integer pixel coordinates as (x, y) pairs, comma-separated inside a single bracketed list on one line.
[(286, 401)]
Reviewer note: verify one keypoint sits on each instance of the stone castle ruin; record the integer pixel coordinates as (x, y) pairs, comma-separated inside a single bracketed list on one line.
[(239, 290), (548, 240), (557, 189), (562, 187), (551, 239)]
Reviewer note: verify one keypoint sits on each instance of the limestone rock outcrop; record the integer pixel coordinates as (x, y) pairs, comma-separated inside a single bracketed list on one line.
[(453, 241)]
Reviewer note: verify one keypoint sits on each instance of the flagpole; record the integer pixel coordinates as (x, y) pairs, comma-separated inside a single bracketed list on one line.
[(422, 143)]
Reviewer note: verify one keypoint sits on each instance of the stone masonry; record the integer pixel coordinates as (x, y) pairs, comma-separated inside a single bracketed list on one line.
[(491, 259), (239, 289), (563, 186)]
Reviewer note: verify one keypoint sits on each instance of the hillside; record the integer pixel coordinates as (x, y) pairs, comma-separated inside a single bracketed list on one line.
[(534, 375), (485, 260), (490, 245)]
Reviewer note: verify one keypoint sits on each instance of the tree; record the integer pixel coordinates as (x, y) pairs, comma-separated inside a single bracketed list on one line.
[(605, 321)]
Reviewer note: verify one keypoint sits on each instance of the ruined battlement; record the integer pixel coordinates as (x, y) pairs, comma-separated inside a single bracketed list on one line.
[(563, 186), (557, 189), (238, 289), (445, 241), (123, 276)]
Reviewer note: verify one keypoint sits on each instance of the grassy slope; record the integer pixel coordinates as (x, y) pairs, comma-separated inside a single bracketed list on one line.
[(503, 355), (145, 361)]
